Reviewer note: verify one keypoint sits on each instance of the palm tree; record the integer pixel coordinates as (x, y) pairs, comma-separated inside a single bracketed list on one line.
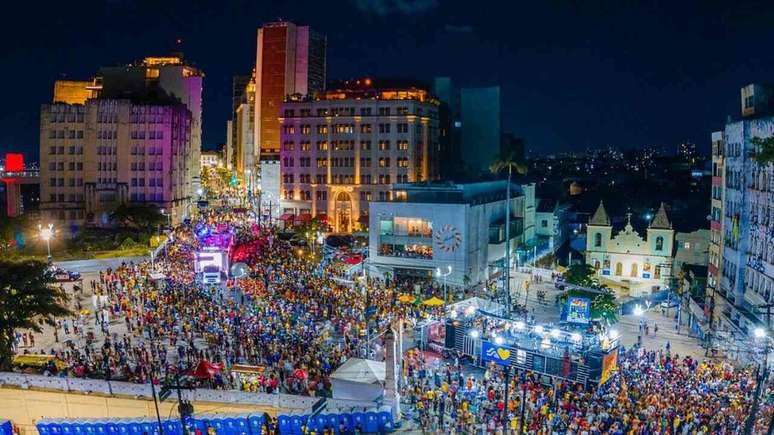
[(512, 163), (28, 300)]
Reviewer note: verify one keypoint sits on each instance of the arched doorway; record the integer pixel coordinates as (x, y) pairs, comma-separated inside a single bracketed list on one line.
[(343, 212), (618, 269), (635, 270)]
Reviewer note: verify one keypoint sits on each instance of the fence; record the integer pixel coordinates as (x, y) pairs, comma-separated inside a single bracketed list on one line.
[(290, 403)]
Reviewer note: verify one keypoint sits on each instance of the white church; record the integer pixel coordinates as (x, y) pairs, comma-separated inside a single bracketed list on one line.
[(627, 262)]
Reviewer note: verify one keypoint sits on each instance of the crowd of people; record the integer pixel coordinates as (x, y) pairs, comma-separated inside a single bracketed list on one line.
[(294, 321), (291, 320), (652, 393)]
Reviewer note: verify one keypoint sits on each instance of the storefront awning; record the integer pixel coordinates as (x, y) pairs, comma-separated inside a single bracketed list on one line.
[(322, 217), (287, 217), (306, 217)]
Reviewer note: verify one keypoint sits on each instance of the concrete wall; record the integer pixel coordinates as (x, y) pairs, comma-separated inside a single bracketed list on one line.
[(25, 407)]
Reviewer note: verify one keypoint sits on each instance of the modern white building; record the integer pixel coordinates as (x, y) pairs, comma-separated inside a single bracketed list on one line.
[(436, 226), (627, 262)]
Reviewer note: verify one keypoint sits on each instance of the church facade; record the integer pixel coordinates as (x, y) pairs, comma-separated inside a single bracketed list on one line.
[(626, 261)]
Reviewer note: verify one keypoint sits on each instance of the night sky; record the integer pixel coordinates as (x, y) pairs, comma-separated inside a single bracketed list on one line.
[(574, 74)]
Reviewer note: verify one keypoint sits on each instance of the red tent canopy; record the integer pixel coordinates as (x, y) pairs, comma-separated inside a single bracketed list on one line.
[(287, 217), (305, 217), (206, 370), (322, 217)]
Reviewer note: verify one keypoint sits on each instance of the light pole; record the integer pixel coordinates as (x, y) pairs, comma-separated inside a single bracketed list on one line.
[(46, 233), (508, 241), (761, 377), (444, 275), (169, 217)]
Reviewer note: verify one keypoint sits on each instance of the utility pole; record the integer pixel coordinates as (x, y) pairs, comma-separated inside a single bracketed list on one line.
[(508, 242), (155, 400), (761, 378)]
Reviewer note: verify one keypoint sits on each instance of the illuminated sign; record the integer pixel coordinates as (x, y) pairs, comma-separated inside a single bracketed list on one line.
[(578, 310), (498, 354), (14, 162)]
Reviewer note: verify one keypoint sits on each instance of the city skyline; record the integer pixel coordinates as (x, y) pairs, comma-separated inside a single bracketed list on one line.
[(684, 61)]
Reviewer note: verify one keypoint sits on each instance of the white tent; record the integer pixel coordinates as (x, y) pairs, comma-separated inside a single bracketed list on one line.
[(359, 379)]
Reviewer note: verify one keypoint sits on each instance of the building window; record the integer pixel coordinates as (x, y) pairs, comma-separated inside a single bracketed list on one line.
[(544, 223), (597, 240), (635, 270), (659, 243), (618, 269)]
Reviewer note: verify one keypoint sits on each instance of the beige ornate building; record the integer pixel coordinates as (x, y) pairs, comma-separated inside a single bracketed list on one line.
[(626, 261), (350, 145)]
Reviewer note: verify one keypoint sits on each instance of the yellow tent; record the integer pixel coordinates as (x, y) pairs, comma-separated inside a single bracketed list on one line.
[(406, 298), (433, 302), (37, 361)]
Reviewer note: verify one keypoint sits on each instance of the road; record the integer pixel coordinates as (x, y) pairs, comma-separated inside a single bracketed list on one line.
[(95, 265)]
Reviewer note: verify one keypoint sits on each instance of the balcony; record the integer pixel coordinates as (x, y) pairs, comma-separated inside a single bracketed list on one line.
[(406, 239)]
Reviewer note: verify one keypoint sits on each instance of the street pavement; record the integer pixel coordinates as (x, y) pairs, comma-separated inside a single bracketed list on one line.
[(548, 312), (96, 265)]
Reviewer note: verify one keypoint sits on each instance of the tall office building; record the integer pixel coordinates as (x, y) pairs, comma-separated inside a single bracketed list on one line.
[(242, 92), (350, 145), (481, 127), (124, 137), (169, 75), (290, 60), (742, 219), (450, 162)]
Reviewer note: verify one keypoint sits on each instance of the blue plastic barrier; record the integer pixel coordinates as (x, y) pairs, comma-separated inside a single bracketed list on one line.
[(372, 422), (6, 428), (232, 425), (255, 423)]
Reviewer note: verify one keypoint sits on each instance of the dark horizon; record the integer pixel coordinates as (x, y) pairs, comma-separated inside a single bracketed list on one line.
[(572, 76)]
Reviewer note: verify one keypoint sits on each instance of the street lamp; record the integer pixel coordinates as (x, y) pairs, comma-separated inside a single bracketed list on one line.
[(46, 233), (169, 217), (444, 275)]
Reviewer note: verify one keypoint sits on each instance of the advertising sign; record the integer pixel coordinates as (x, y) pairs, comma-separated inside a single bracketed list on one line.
[(609, 366), (578, 310), (498, 354)]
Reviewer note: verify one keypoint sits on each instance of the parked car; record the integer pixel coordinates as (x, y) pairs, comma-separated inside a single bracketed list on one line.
[(61, 275), (669, 303)]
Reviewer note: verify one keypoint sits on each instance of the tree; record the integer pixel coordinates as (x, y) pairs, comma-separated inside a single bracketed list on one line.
[(582, 275), (511, 162), (27, 300), (765, 152), (141, 217)]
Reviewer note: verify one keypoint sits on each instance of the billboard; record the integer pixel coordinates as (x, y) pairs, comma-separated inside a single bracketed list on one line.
[(211, 260), (578, 310), (498, 354)]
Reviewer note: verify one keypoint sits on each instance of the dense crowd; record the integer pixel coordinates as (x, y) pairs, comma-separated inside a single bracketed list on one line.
[(290, 320), (653, 393)]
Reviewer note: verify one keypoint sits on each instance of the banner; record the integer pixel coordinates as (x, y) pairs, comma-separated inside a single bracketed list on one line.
[(498, 354), (609, 366), (578, 310)]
